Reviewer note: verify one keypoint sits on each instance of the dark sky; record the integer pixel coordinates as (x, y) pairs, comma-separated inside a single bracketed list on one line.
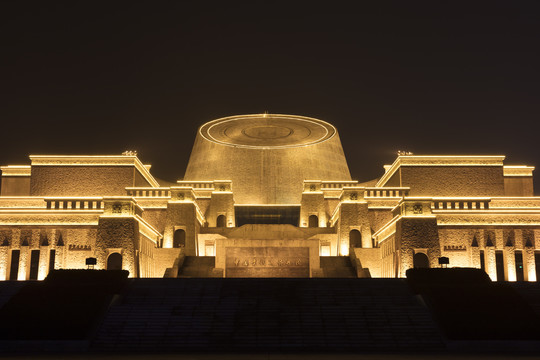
[(430, 77)]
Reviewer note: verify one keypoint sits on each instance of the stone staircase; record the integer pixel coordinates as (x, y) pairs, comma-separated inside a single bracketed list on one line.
[(530, 291), (337, 267), (198, 267), (274, 315), (8, 289)]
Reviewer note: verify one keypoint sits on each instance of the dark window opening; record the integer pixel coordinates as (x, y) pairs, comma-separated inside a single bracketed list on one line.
[(221, 221), (499, 262), (114, 262), (537, 265), (482, 260), (14, 268), (52, 259), (355, 239), (420, 260), (179, 239), (34, 264), (313, 221), (520, 274), (267, 215)]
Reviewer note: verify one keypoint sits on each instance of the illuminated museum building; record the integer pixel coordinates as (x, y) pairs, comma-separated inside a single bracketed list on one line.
[(268, 195)]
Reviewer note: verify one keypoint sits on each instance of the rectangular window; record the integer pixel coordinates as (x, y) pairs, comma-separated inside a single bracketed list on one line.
[(520, 276), (499, 262), (34, 264), (482, 260), (52, 259), (537, 264), (14, 269)]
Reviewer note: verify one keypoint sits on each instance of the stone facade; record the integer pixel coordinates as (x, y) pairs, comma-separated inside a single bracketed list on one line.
[(268, 195)]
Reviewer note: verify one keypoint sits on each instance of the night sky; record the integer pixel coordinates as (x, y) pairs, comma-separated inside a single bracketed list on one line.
[(428, 77)]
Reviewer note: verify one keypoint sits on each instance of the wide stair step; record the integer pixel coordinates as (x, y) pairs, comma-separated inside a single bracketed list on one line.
[(337, 267)]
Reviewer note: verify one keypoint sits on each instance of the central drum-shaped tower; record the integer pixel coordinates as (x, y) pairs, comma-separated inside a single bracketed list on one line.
[(267, 156)]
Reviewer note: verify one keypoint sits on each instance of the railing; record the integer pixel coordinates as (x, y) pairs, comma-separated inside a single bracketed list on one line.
[(75, 204), (197, 184), (386, 192), (337, 185), (149, 192), (460, 204)]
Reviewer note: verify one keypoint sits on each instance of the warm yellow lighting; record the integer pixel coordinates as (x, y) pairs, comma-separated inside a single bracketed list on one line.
[(15, 170), (149, 192), (518, 170), (206, 130), (91, 160), (440, 160), (141, 225), (511, 274)]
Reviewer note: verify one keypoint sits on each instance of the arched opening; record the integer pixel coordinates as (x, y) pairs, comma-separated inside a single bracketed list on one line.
[(420, 260), (179, 238), (313, 221), (114, 262), (221, 221), (355, 239)]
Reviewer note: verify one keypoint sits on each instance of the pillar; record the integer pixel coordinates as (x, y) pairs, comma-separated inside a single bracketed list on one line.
[(529, 264), (510, 263)]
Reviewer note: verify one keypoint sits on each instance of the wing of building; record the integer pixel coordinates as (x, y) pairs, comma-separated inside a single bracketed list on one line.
[(268, 196)]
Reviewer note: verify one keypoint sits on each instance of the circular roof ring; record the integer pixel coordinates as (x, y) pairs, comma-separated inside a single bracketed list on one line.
[(267, 131)]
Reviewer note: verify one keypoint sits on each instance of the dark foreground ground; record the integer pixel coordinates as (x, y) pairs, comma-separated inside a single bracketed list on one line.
[(273, 356), (268, 319)]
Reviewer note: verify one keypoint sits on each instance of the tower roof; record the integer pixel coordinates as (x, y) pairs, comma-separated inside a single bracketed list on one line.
[(267, 156)]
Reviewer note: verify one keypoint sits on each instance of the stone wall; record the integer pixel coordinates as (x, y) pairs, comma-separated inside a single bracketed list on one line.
[(312, 203), (456, 245), (82, 180), (453, 180), (518, 186), (146, 264), (164, 259), (76, 244), (15, 186), (221, 203), (379, 217), (353, 216), (417, 234), (369, 259), (182, 215), (389, 258), (118, 235), (156, 217)]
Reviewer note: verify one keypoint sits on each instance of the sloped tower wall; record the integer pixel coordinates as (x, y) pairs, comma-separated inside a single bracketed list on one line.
[(267, 156)]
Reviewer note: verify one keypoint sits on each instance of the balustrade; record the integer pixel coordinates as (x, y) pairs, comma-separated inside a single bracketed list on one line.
[(460, 204), (74, 204)]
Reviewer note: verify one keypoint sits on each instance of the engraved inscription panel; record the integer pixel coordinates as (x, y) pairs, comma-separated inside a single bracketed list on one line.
[(267, 262)]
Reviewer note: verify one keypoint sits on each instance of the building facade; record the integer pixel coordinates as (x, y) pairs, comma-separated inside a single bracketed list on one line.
[(268, 195)]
